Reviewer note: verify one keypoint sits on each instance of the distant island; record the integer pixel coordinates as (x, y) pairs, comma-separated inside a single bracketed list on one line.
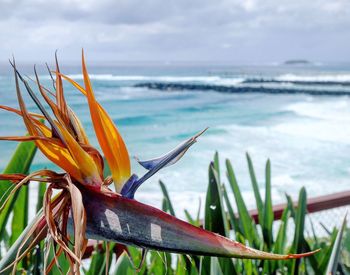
[(297, 62)]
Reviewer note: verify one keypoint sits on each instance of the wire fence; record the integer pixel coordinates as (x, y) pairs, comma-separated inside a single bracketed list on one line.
[(323, 222), (324, 214), (320, 223)]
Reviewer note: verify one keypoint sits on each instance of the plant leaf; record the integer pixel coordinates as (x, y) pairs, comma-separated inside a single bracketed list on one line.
[(334, 258), (215, 217), (20, 214), (258, 200), (167, 200), (268, 212), (234, 222), (41, 193), (248, 225), (19, 163), (297, 246)]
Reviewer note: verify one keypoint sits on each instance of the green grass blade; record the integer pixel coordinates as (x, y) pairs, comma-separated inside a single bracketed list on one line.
[(297, 246), (124, 266), (157, 264), (258, 199), (19, 163), (194, 268), (326, 252), (290, 206), (199, 211), (38, 254), (189, 218), (318, 262), (41, 193), (334, 258), (20, 218), (249, 267), (314, 233), (97, 265), (98, 260), (167, 205), (62, 260), (215, 268), (11, 253), (234, 222), (216, 164), (281, 239), (185, 265), (247, 222), (268, 211), (215, 217), (20, 214)]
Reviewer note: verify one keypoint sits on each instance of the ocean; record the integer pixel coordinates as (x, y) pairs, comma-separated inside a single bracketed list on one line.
[(297, 116)]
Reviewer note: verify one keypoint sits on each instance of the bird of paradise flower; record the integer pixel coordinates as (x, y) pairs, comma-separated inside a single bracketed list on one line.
[(85, 207)]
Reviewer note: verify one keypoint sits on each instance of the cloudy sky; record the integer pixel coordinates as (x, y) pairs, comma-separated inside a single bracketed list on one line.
[(234, 31)]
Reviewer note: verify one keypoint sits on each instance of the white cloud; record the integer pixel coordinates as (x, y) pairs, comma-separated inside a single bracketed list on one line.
[(226, 30), (249, 5)]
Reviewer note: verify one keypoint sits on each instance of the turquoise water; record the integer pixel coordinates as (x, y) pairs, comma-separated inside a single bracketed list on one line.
[(306, 137)]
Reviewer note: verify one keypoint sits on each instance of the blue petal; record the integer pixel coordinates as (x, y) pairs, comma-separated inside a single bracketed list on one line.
[(128, 186), (173, 156), (154, 165)]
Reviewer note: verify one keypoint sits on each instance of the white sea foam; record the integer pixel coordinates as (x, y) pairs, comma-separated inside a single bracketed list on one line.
[(229, 81), (318, 78), (335, 110), (215, 80), (110, 77), (299, 148), (103, 77), (331, 131), (324, 120)]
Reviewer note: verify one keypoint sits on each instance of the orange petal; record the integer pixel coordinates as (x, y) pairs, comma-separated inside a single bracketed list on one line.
[(107, 134), (84, 168), (54, 152), (23, 138), (43, 128), (73, 125), (78, 127), (61, 102), (55, 108), (96, 156), (87, 166), (13, 110), (61, 157)]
